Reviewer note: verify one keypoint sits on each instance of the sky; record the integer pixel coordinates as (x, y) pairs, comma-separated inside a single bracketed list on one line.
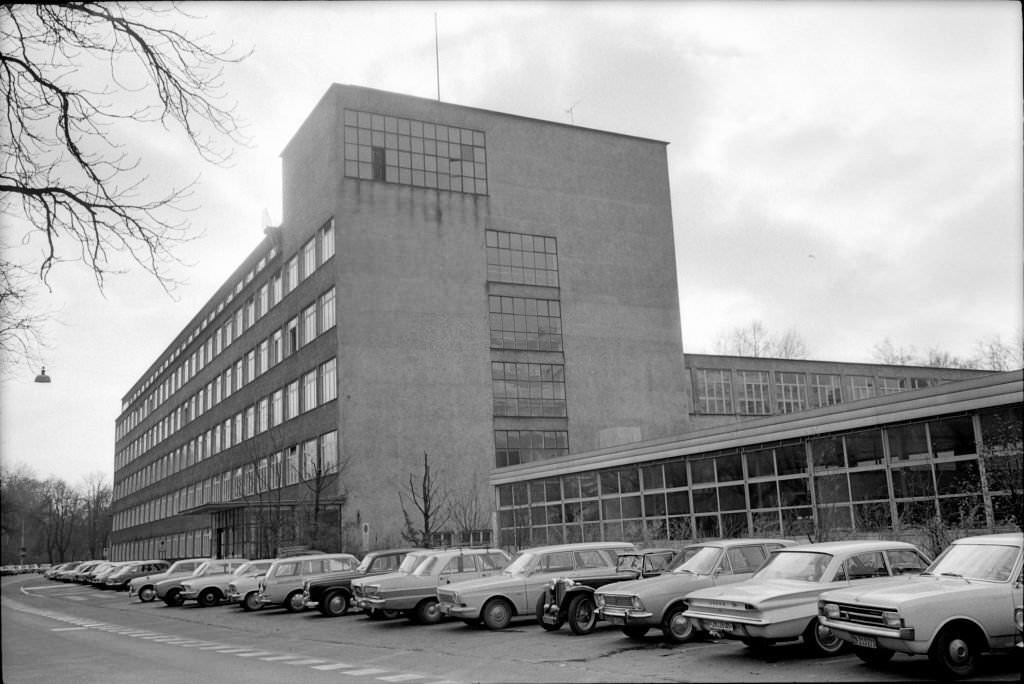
[(850, 171)]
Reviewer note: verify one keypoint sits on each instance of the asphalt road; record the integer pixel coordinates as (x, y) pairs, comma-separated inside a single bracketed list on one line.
[(53, 632)]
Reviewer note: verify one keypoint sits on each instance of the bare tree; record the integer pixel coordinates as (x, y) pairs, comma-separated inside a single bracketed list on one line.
[(96, 496), (994, 354), (470, 513), (1002, 457), (430, 501), (62, 511), (754, 340), (76, 77), (886, 352), (20, 320)]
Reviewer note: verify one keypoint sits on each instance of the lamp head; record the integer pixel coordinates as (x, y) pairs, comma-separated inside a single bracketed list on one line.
[(43, 377)]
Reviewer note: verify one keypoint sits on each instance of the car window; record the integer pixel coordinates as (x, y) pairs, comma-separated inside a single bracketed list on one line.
[(865, 565), (905, 560), (746, 558), (286, 570), (494, 561), (590, 559), (558, 561), (383, 563), (806, 566), (337, 564)]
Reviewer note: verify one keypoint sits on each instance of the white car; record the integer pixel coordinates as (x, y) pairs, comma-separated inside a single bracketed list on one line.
[(962, 604), (209, 590), (780, 601)]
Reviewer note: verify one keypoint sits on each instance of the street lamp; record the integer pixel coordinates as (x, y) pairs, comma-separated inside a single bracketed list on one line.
[(43, 377)]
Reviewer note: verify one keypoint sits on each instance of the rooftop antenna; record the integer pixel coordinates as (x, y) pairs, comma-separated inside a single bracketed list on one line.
[(571, 112), (437, 61)]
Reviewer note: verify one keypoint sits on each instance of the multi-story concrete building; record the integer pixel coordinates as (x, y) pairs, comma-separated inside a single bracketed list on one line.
[(480, 287)]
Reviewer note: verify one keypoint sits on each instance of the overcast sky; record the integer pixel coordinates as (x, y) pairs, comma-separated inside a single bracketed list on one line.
[(848, 170)]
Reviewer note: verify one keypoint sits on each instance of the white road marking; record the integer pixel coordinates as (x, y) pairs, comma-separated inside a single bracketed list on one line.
[(401, 678), (66, 629), (253, 654), (283, 657), (307, 661), (367, 671), (332, 666)]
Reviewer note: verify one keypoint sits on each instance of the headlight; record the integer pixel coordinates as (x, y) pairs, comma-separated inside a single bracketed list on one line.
[(637, 603), (1018, 618), (186, 587), (892, 619), (830, 610), (599, 600)]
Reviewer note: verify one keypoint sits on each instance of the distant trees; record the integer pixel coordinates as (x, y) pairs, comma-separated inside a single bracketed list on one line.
[(756, 341), (990, 353)]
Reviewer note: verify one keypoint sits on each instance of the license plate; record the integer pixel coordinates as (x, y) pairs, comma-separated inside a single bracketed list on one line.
[(549, 619), (717, 626), (616, 619), (863, 641), (445, 609)]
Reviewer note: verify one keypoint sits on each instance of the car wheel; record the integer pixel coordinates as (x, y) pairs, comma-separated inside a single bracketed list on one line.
[(497, 613), (582, 616), (821, 640), (636, 631), (873, 656), (334, 604), (174, 598), (954, 653), (250, 602), (427, 612), (293, 602), (147, 594), (549, 626), (208, 597), (677, 628)]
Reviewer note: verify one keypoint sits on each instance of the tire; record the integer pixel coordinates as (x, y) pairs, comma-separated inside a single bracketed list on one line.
[(208, 597), (677, 629), (820, 640), (635, 632), (427, 612), (549, 626), (873, 656), (582, 614), (497, 614), (147, 593), (173, 598), (335, 604), (249, 602), (382, 614), (954, 653), (293, 603)]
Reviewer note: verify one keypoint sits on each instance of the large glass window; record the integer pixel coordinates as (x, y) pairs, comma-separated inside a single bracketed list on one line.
[(512, 447), (327, 240), (753, 394), (861, 387), (864, 448), (412, 152), (522, 258), (329, 380), (713, 390), (790, 392), (308, 258), (908, 442), (309, 324), (309, 391), (528, 389), (327, 310), (952, 436), (525, 323), (824, 390)]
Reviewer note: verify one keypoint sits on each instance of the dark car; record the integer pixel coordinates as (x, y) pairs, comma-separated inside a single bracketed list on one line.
[(120, 578), (572, 599), (332, 594)]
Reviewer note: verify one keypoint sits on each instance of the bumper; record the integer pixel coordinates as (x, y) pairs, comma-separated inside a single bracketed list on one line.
[(233, 597), (625, 617), (458, 610), (742, 627), (899, 640), (189, 595)]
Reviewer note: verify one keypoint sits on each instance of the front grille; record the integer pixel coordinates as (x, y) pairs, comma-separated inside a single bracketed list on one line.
[(618, 601), (861, 615)]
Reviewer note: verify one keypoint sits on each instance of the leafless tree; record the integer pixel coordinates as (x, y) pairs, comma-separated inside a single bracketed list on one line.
[(886, 352), (754, 340), (76, 78), (993, 353), (95, 497), (63, 506), (1002, 457), (470, 512), (430, 501), (20, 319)]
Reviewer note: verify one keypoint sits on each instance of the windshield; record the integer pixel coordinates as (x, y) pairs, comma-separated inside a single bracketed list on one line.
[(521, 563), (701, 561), (794, 565), (987, 562), (180, 566), (426, 567), (200, 570), (410, 562)]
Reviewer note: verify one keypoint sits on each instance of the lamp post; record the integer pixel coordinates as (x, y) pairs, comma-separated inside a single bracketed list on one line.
[(42, 377)]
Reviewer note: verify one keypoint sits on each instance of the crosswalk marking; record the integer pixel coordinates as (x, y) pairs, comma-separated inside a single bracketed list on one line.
[(401, 678), (281, 657), (367, 671), (252, 654), (332, 666), (66, 629), (307, 661)]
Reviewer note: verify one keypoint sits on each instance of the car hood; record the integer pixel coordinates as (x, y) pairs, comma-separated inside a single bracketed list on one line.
[(176, 577), (660, 584), (907, 589), (492, 583)]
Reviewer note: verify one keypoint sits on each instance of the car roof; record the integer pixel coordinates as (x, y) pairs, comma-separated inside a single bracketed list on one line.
[(728, 543), (850, 546), (312, 556), (1012, 538), (580, 546), (474, 550)]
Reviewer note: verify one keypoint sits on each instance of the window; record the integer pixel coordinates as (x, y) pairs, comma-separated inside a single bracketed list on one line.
[(790, 392), (310, 468), (291, 465), (263, 300), (329, 452), (327, 310), (824, 390), (308, 258), (292, 400), (512, 447), (250, 365), (753, 397), (861, 387), (528, 389), (327, 240), (262, 415), (276, 408), (309, 391), (276, 347), (309, 324), (276, 288), (525, 323), (713, 390), (250, 422), (291, 337), (522, 258), (292, 273), (263, 356), (328, 381), (412, 152)]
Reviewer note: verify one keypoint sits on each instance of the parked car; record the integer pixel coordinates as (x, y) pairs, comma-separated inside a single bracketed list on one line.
[(519, 589), (244, 590), (168, 589), (566, 599), (101, 572), (59, 568), (145, 587), (120, 578), (412, 590), (282, 584), (658, 602), (780, 601), (68, 573), (211, 589), (958, 607), (81, 573), (331, 594)]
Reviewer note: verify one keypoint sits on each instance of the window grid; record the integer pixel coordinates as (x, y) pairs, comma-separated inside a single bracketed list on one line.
[(714, 391), (522, 258), (525, 323), (513, 447), (753, 399), (528, 389)]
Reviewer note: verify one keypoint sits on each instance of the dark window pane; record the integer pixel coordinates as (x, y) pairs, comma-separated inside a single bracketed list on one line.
[(760, 463), (702, 470), (794, 492), (832, 488), (654, 477), (868, 485), (705, 500), (763, 495), (912, 481), (678, 503), (952, 436), (863, 448), (730, 468), (872, 517), (791, 459), (958, 477), (907, 442), (675, 473), (731, 498), (827, 453)]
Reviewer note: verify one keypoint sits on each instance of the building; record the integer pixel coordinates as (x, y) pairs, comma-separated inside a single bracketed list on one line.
[(484, 288)]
